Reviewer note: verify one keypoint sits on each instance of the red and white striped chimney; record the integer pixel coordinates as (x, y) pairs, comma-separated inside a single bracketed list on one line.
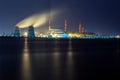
[(65, 25), (49, 24), (80, 27)]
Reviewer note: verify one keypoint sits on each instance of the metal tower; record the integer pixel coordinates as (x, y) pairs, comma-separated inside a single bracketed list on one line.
[(31, 33), (49, 24), (65, 27), (17, 32), (81, 28)]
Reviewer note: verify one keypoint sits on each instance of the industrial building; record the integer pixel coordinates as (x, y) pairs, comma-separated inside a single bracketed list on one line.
[(56, 33), (79, 35)]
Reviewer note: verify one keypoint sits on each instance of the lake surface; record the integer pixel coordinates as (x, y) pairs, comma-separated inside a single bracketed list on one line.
[(75, 59)]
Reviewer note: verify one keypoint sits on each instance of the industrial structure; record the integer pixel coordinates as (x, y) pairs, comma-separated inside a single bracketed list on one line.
[(31, 33), (81, 32), (17, 32), (56, 33)]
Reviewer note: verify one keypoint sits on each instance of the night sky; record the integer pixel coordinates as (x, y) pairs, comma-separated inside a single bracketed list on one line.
[(99, 16)]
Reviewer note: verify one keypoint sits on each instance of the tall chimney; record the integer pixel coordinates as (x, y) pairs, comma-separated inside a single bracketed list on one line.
[(80, 27), (49, 24), (83, 30), (65, 26)]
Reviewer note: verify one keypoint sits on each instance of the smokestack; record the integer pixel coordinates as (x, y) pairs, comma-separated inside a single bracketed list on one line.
[(17, 32), (49, 24), (80, 27), (31, 33), (65, 26), (83, 30)]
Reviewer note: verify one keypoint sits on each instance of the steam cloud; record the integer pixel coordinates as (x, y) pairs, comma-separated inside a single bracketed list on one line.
[(35, 20)]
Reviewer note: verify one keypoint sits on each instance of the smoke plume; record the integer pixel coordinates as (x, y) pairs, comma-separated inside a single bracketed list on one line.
[(35, 20)]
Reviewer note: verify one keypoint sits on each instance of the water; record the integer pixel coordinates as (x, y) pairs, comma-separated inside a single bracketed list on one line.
[(23, 59)]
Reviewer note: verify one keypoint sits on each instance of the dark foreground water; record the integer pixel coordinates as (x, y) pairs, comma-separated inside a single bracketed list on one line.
[(23, 59)]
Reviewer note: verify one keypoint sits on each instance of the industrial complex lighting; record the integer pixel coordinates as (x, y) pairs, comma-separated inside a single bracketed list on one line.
[(25, 34)]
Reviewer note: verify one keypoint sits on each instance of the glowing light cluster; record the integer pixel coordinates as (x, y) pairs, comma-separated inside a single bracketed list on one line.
[(117, 36)]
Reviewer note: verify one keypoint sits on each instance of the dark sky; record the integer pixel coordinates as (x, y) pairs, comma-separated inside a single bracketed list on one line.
[(99, 16)]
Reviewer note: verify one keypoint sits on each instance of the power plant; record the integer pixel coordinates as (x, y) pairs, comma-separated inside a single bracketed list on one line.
[(55, 32)]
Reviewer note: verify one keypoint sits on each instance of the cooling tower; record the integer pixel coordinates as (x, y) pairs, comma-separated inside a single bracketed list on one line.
[(17, 32), (31, 33)]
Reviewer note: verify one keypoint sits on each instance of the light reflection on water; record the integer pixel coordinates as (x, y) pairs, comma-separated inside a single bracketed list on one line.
[(40, 60), (0, 69), (70, 62), (59, 68), (56, 62), (59, 60), (26, 67)]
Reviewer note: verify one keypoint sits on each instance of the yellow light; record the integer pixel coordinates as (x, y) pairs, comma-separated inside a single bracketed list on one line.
[(25, 34)]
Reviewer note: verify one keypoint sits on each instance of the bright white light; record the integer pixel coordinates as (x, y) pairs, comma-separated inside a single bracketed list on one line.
[(118, 36)]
